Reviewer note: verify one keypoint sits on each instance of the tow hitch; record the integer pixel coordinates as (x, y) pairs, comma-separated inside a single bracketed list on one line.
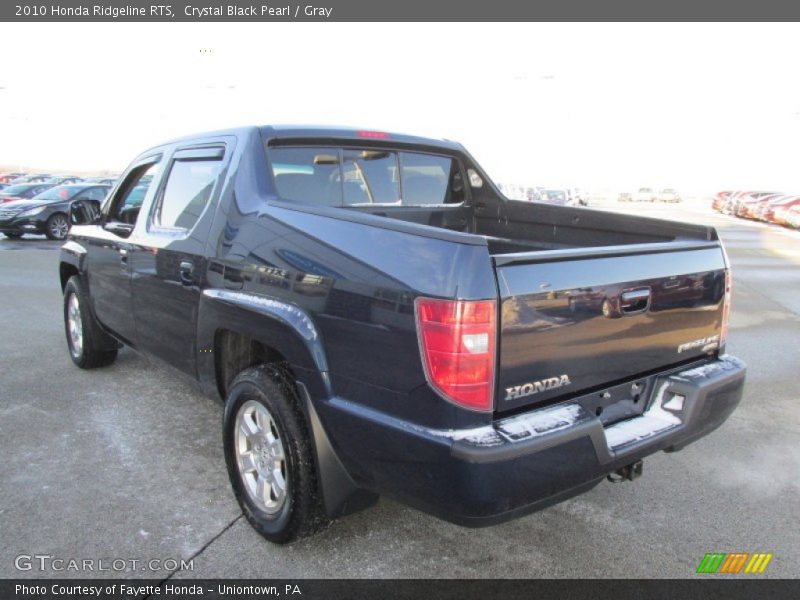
[(626, 473)]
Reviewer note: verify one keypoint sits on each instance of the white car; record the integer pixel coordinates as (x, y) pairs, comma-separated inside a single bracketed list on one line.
[(668, 195), (645, 194)]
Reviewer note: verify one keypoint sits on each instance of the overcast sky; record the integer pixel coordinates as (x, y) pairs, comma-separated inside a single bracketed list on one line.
[(698, 106)]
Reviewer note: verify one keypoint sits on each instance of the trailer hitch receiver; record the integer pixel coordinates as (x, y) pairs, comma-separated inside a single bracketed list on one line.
[(627, 473)]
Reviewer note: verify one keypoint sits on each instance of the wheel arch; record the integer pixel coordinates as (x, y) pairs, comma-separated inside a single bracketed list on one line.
[(71, 261), (237, 330)]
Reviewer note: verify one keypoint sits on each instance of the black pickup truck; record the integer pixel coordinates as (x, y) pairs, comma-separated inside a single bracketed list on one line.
[(379, 319)]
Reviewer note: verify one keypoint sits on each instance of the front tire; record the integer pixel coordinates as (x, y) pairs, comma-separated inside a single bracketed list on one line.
[(269, 456), (57, 227), (89, 346)]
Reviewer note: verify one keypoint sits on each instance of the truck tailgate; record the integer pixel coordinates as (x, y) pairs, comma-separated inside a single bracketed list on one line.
[(573, 320)]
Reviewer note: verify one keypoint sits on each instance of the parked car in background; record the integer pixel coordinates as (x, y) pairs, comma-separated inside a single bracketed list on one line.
[(668, 195), (767, 213), (9, 177), (625, 197), (735, 206), (47, 212), (22, 191), (779, 215), (557, 197), (793, 216), (754, 207), (64, 179), (748, 202), (645, 194), (35, 178), (105, 179), (720, 198), (580, 197)]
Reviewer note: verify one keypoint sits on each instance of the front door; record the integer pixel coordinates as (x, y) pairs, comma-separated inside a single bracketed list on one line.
[(168, 258), (108, 252)]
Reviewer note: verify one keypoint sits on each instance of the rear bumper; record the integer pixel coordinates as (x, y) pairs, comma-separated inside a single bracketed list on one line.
[(524, 463)]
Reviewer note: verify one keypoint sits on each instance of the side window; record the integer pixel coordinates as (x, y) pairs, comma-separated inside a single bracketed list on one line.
[(187, 192), (132, 193), (92, 193), (97, 193), (430, 179)]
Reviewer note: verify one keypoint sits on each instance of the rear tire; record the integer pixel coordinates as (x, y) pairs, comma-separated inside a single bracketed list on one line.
[(269, 456), (89, 346)]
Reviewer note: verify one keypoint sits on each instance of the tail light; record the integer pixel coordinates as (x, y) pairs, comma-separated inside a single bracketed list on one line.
[(726, 308), (9, 199), (457, 343)]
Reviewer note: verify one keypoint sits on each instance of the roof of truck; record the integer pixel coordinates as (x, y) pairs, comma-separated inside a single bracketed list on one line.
[(325, 132)]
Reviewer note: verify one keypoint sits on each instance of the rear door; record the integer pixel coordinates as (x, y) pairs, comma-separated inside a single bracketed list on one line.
[(572, 322), (108, 250), (168, 260)]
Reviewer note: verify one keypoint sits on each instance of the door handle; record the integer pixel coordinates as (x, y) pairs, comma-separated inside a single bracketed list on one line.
[(186, 270), (634, 301), (123, 256)]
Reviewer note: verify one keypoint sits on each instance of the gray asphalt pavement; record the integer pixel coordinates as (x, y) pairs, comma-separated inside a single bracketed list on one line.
[(126, 462)]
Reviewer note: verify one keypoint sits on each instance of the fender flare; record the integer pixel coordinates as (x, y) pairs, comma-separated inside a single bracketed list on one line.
[(74, 255), (291, 331)]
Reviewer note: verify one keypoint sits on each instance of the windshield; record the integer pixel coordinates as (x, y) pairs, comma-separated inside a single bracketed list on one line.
[(555, 195), (55, 194)]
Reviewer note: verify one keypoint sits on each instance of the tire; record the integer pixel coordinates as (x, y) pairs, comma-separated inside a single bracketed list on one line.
[(57, 227), (13, 236), (266, 442), (573, 307), (89, 346), (608, 310)]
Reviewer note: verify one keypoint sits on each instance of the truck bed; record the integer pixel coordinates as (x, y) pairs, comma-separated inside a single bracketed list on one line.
[(589, 298)]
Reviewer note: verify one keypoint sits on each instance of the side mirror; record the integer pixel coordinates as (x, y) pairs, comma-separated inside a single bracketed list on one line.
[(84, 212)]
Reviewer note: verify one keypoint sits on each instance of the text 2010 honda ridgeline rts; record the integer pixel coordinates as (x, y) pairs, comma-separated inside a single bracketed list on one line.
[(379, 319)]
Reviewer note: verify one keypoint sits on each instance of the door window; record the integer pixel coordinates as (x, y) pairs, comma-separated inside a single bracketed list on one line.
[(187, 193), (132, 193)]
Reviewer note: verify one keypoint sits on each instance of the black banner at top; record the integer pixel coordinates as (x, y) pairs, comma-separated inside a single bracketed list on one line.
[(398, 10)]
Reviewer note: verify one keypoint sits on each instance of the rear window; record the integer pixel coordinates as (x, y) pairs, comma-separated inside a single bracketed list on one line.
[(331, 176)]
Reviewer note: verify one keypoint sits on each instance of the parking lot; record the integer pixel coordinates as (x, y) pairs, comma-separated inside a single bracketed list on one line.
[(126, 462)]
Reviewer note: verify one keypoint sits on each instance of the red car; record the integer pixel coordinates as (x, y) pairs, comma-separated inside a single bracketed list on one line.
[(8, 177), (772, 210), (793, 216), (747, 203), (780, 214), (719, 200)]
